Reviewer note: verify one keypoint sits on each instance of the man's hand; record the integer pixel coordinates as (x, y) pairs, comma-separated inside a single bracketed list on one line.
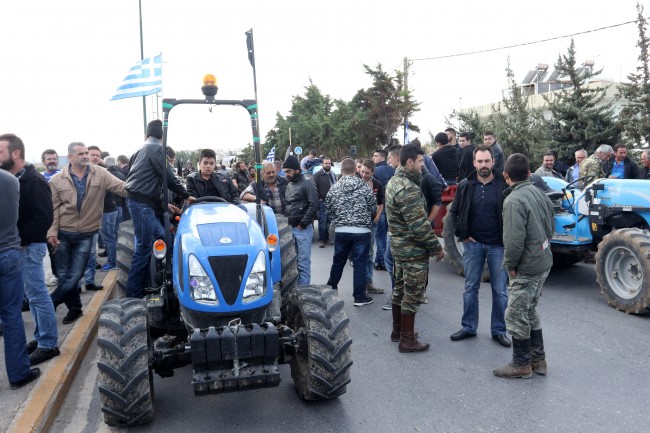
[(470, 239), (173, 209), (512, 273), (440, 255), (54, 241), (190, 200)]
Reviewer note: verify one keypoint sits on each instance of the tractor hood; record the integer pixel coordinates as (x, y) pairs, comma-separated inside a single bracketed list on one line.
[(221, 257)]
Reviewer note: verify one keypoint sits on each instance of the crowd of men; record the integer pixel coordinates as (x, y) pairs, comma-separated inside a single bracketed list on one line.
[(382, 209)]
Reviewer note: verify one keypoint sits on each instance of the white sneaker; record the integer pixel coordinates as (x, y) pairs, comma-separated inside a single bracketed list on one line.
[(52, 281)]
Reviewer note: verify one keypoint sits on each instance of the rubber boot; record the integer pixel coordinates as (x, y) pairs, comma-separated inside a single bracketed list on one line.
[(538, 357), (519, 367), (408, 342), (397, 324)]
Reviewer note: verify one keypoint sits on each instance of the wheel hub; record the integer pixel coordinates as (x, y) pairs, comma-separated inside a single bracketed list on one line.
[(624, 274)]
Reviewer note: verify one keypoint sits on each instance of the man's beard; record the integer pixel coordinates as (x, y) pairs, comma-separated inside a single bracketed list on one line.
[(484, 172), (51, 167), (8, 165), (326, 169)]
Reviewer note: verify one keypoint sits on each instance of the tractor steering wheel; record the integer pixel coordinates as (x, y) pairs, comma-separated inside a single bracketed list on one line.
[(210, 199), (585, 181)]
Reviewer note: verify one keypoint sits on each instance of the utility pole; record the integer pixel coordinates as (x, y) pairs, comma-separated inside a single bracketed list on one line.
[(406, 88)]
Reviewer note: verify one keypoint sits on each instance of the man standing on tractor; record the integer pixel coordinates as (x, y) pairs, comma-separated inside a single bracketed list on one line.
[(621, 166), (144, 186), (302, 207), (475, 215), (528, 224), (412, 243)]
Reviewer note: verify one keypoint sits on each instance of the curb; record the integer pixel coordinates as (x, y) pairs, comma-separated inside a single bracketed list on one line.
[(38, 412)]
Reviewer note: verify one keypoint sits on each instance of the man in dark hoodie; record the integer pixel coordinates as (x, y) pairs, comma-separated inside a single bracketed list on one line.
[(351, 206), (35, 216), (302, 207)]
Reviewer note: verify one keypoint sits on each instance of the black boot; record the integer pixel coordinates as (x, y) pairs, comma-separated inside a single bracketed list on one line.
[(519, 367), (538, 357), (408, 341), (397, 323)]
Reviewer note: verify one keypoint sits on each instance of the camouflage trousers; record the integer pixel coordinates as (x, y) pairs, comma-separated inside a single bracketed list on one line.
[(410, 282), (521, 314)]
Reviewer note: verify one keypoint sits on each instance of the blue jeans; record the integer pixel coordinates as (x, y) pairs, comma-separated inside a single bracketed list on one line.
[(303, 239), (118, 221), (89, 274), (108, 234), (71, 259), (356, 245), (380, 238), (371, 254), (11, 300), (388, 262), (146, 228), (323, 223), (40, 303), (474, 257)]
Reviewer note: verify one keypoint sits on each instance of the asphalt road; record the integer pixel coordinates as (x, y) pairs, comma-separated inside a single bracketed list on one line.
[(597, 381)]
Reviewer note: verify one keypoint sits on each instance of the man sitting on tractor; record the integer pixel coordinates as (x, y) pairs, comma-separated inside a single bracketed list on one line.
[(208, 182)]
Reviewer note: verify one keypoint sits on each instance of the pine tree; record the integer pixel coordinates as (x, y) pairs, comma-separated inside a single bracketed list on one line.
[(635, 116), (520, 129), (580, 117)]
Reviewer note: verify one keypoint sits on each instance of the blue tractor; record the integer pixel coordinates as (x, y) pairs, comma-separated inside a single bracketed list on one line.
[(223, 299), (612, 217)]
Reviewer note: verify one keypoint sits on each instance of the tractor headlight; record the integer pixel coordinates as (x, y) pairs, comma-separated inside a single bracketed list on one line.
[(256, 282), (201, 286)]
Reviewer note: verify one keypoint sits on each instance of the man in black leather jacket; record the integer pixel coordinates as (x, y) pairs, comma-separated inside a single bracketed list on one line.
[(208, 182), (302, 207), (144, 188)]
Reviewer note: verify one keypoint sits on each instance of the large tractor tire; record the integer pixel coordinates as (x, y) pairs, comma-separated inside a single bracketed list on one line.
[(623, 269), (125, 378), (289, 260), (321, 365), (454, 248), (125, 248)]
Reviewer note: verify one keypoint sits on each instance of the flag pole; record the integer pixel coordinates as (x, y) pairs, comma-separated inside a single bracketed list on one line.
[(144, 98), (254, 113)]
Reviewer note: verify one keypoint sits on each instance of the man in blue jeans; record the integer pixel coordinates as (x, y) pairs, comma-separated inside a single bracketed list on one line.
[(476, 217), (144, 186), (302, 207), (383, 173), (351, 205), (78, 202), (11, 287), (35, 216)]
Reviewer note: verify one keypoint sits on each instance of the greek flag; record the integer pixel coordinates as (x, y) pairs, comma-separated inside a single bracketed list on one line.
[(271, 155), (143, 79)]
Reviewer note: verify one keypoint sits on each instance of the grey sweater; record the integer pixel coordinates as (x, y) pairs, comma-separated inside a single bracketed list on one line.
[(10, 188)]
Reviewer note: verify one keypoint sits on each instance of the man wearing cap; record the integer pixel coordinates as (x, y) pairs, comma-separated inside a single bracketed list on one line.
[(302, 207)]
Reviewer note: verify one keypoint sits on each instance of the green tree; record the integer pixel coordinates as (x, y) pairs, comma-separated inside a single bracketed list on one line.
[(580, 117), (519, 128), (469, 122), (635, 115), (380, 109)]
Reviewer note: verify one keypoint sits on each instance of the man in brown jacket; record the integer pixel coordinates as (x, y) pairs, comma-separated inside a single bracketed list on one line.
[(78, 202)]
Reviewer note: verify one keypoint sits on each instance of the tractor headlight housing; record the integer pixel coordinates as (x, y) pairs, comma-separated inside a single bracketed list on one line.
[(256, 282), (201, 287)]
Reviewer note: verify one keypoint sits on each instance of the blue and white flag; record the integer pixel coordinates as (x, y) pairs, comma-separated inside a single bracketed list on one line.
[(143, 79), (271, 155)]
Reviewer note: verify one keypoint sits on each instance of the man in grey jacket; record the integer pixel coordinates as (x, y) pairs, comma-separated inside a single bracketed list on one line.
[(351, 206), (527, 230)]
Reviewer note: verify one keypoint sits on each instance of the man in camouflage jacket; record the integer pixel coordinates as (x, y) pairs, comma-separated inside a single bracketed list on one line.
[(351, 207), (412, 243)]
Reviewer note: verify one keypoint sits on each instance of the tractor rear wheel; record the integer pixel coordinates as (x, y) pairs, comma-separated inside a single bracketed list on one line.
[(125, 248), (454, 248), (623, 269), (125, 377), (321, 365)]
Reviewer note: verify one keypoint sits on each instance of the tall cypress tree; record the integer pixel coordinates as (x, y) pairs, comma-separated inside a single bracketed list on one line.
[(580, 116), (635, 116)]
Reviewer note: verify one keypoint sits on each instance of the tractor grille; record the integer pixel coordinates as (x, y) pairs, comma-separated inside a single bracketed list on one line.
[(229, 272)]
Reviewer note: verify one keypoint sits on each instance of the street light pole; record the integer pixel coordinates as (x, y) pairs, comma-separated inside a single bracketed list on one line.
[(406, 88)]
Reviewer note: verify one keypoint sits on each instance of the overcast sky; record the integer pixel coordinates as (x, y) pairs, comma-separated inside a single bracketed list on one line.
[(63, 60)]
